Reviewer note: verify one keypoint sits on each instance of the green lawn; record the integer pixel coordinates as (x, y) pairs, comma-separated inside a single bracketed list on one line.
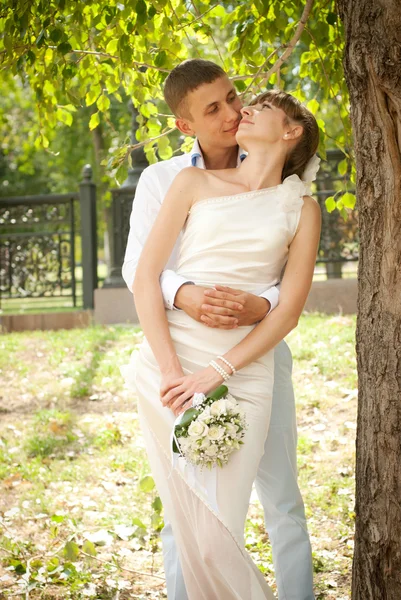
[(79, 516)]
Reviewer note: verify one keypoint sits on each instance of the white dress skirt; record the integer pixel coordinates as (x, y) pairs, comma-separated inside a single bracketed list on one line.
[(241, 241)]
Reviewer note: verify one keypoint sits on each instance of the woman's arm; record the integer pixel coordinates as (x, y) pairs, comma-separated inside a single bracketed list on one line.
[(275, 326), (156, 251)]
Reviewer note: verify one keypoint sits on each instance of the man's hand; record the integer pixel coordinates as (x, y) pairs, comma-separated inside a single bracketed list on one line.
[(222, 307), (254, 308)]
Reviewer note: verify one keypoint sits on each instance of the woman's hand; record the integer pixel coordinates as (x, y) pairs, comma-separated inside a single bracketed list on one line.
[(170, 378), (179, 395)]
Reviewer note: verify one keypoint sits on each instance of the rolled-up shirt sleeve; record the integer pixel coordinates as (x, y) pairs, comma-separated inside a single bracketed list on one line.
[(145, 208), (272, 296)]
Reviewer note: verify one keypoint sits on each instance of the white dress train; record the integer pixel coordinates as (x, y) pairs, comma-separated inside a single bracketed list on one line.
[(241, 241)]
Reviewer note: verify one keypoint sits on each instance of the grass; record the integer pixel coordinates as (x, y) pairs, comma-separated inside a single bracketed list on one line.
[(80, 515)]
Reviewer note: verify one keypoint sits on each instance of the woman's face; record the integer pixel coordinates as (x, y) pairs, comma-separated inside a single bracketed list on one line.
[(262, 122)]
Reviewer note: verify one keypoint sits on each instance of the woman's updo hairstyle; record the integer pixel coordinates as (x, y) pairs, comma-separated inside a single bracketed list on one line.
[(296, 113)]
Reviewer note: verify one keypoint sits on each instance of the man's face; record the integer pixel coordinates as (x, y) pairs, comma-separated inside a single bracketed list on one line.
[(213, 114)]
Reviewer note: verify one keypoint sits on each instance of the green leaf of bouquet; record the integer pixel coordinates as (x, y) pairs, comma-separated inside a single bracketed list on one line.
[(189, 416), (218, 393)]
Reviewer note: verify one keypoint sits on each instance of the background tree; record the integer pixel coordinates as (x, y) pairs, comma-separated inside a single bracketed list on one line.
[(372, 68)]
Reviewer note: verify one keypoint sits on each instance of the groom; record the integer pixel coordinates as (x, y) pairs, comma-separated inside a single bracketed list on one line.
[(207, 107)]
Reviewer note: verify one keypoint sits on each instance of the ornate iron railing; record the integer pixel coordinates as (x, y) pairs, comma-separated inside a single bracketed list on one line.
[(339, 241), (37, 246)]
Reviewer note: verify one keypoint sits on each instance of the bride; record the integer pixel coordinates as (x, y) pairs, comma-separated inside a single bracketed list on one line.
[(241, 227)]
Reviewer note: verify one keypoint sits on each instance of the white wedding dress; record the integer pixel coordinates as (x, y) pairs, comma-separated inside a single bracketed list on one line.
[(241, 241)]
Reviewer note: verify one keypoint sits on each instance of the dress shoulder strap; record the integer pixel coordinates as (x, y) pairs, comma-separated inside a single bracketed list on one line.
[(291, 193)]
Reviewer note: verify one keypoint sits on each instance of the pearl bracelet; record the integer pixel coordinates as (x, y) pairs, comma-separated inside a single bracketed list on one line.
[(224, 360), (220, 370)]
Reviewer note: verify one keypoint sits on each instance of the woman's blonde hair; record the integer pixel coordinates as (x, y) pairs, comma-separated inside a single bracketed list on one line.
[(296, 113)]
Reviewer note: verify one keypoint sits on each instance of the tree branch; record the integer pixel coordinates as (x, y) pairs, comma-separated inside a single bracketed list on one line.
[(106, 55), (289, 47), (105, 562)]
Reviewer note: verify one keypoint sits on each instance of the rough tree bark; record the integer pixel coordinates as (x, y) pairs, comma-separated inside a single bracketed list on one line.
[(373, 71)]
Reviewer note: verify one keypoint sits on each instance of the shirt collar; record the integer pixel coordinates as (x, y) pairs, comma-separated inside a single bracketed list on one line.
[(197, 157)]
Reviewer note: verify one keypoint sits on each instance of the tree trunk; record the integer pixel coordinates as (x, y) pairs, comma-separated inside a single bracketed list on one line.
[(373, 71)]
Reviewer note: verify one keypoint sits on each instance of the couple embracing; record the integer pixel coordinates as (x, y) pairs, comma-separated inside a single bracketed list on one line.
[(220, 258)]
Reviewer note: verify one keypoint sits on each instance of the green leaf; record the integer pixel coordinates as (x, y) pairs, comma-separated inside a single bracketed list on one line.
[(343, 166), (189, 415), (160, 59), (348, 200), (111, 47), (64, 48), (331, 18), (313, 105), (218, 393), (147, 483), (56, 35), (58, 518), (140, 7), (138, 523), (330, 204), (31, 57), (71, 551), (157, 504), (40, 39), (94, 121), (52, 564), (92, 95), (103, 103), (89, 548), (64, 116)]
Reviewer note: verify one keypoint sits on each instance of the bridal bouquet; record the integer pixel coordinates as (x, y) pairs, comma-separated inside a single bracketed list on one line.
[(207, 433)]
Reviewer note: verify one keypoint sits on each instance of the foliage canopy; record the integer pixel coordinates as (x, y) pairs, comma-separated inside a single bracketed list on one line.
[(74, 54)]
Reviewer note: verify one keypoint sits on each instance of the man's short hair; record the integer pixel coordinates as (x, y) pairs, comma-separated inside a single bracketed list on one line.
[(187, 77)]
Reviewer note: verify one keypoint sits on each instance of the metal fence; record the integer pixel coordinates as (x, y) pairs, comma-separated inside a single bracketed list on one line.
[(339, 242), (38, 237), (37, 247)]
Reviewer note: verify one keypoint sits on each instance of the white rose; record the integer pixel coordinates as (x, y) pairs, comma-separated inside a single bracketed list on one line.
[(231, 429), (212, 451), (197, 429), (218, 408), (205, 443), (216, 432), (231, 403), (205, 414), (197, 399), (184, 443)]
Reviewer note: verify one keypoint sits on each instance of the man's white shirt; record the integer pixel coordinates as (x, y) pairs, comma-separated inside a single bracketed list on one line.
[(151, 190)]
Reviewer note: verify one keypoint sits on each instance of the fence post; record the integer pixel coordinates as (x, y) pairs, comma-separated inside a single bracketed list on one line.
[(87, 195)]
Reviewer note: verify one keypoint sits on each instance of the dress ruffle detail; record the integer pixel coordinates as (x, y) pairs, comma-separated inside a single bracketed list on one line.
[(291, 193), (310, 172)]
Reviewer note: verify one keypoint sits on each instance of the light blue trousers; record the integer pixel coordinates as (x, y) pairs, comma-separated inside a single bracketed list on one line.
[(278, 492)]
